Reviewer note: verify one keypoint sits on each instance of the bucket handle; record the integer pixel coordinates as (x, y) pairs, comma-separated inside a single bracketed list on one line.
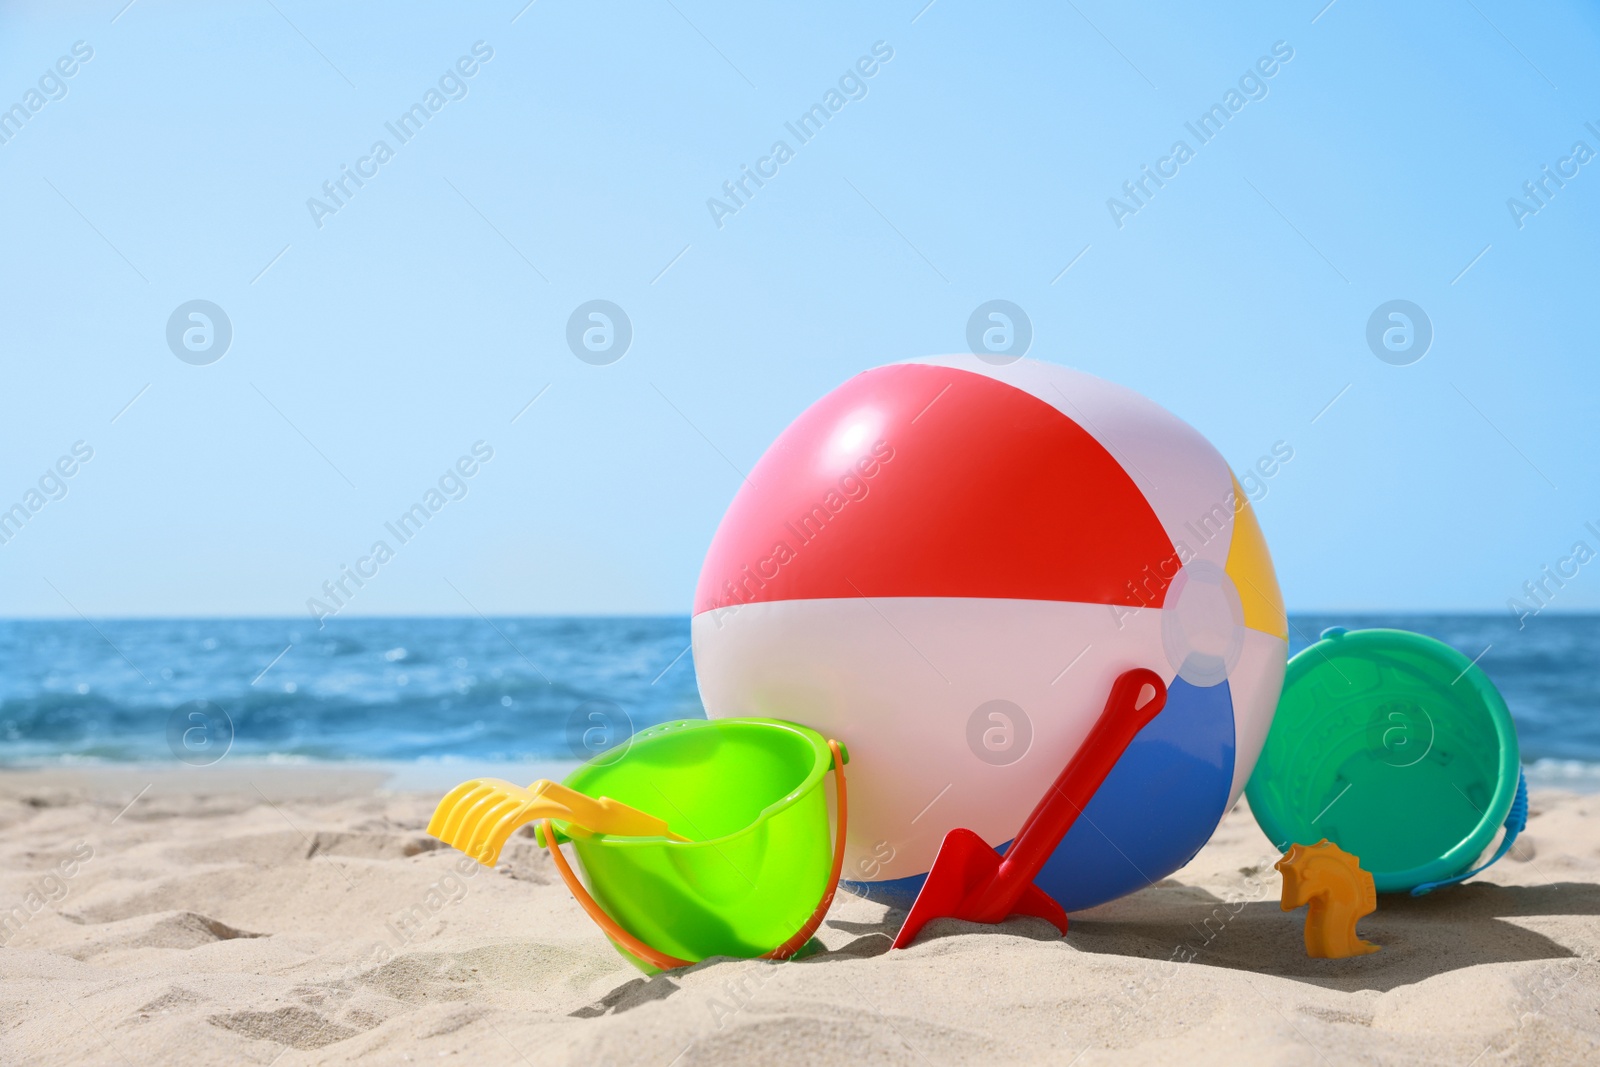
[(1516, 822), (638, 948)]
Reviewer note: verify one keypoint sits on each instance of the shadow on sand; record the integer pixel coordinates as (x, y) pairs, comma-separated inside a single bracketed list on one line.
[(1421, 937), (1461, 926)]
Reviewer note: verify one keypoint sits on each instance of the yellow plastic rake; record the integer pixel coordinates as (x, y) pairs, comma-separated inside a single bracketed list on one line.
[(479, 817)]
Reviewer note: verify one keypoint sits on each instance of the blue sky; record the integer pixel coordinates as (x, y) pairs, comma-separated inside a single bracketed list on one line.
[(370, 353)]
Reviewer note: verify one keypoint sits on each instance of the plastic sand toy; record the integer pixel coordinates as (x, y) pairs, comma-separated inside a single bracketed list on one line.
[(1398, 749), (948, 562), (699, 839), (1336, 892), (479, 816), (971, 881)]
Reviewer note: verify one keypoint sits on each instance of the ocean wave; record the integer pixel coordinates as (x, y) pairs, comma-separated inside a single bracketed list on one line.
[(410, 689)]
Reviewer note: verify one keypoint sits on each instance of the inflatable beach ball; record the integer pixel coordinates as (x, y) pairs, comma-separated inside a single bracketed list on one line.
[(945, 564)]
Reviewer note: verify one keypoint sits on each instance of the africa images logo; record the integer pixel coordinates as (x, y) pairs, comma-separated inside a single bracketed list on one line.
[(199, 332), (452, 85), (852, 485), (852, 85), (1251, 86)]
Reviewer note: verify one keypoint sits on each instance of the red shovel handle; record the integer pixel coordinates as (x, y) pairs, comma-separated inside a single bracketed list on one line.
[(1124, 716)]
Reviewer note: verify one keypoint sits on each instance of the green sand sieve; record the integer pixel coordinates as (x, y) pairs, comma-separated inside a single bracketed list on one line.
[(1398, 749)]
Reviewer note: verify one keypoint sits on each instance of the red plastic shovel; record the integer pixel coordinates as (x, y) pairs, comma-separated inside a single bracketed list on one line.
[(971, 881)]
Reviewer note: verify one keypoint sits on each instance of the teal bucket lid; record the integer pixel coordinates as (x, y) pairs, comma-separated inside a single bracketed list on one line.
[(1397, 748)]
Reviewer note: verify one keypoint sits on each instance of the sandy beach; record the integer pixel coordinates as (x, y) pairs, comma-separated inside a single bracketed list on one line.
[(301, 916)]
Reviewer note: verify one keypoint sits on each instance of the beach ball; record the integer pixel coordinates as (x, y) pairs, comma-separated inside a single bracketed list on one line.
[(945, 564)]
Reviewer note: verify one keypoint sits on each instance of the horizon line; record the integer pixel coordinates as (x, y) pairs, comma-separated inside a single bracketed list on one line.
[(375, 616)]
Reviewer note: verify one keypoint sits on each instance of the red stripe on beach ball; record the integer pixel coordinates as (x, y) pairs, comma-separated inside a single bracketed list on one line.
[(922, 481)]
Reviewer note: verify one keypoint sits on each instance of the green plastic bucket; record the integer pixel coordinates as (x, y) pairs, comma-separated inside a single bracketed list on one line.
[(749, 794), (1398, 749)]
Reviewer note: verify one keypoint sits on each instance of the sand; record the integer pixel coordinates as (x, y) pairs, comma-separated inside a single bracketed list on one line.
[(301, 916)]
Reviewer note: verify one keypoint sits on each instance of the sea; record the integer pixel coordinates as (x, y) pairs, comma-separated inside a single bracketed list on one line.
[(521, 690)]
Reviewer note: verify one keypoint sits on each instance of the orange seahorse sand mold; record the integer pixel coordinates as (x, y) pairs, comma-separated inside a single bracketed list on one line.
[(1339, 892)]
